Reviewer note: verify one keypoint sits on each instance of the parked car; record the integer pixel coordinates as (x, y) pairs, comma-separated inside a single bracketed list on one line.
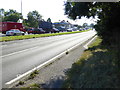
[(30, 31), (54, 30), (69, 30), (61, 29), (74, 29), (35, 31), (13, 32), (80, 29), (38, 31)]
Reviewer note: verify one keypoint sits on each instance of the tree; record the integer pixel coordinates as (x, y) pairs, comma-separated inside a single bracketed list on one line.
[(79, 26), (92, 25), (11, 15), (2, 11), (33, 19), (75, 10), (49, 20), (107, 26), (85, 25), (108, 14)]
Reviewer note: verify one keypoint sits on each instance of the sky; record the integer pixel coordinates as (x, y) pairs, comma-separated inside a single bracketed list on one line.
[(53, 9)]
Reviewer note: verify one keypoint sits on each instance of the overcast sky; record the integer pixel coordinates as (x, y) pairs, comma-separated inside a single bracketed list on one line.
[(53, 9)]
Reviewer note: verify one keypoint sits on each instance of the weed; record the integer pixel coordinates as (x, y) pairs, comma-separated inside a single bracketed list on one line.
[(33, 74), (21, 83), (67, 52), (36, 72), (35, 85)]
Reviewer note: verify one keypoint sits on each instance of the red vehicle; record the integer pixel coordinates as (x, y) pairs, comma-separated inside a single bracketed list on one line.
[(6, 26), (35, 31)]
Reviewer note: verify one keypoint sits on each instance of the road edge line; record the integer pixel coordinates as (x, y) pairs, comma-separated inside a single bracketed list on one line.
[(86, 45), (11, 83)]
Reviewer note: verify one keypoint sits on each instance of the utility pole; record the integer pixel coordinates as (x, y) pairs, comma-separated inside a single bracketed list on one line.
[(21, 6), (21, 20)]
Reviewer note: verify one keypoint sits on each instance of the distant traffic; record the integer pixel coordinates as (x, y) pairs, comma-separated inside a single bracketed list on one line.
[(14, 28)]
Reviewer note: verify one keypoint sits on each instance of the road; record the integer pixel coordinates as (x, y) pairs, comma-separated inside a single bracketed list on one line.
[(2, 35), (21, 56)]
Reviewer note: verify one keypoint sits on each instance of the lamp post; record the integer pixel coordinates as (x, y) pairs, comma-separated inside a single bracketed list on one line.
[(21, 6)]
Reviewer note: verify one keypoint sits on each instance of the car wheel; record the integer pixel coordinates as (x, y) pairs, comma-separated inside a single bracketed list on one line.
[(14, 34), (23, 34)]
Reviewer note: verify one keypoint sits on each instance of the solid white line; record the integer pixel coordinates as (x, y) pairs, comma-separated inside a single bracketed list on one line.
[(41, 65), (18, 52), (86, 45), (38, 67)]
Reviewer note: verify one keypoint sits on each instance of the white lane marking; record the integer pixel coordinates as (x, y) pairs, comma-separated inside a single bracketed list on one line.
[(41, 65), (18, 52), (30, 71), (86, 45), (3, 45)]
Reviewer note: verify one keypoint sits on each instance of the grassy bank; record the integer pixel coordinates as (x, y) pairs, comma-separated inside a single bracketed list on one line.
[(11, 38), (95, 69)]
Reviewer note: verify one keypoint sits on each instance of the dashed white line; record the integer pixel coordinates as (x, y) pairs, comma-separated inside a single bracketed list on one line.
[(18, 52)]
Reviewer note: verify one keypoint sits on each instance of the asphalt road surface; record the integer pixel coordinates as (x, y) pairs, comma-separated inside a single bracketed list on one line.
[(21, 56)]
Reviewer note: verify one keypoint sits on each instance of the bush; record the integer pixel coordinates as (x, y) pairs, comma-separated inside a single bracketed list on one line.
[(98, 70), (21, 82)]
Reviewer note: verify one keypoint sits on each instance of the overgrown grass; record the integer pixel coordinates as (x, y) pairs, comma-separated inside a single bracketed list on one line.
[(11, 38), (95, 69), (34, 86)]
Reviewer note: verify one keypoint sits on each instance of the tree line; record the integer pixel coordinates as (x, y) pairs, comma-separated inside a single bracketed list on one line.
[(107, 26), (102, 68), (33, 17)]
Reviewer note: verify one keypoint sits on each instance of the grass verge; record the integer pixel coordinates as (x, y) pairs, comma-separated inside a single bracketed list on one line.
[(31, 76), (34, 86), (95, 69), (11, 38)]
